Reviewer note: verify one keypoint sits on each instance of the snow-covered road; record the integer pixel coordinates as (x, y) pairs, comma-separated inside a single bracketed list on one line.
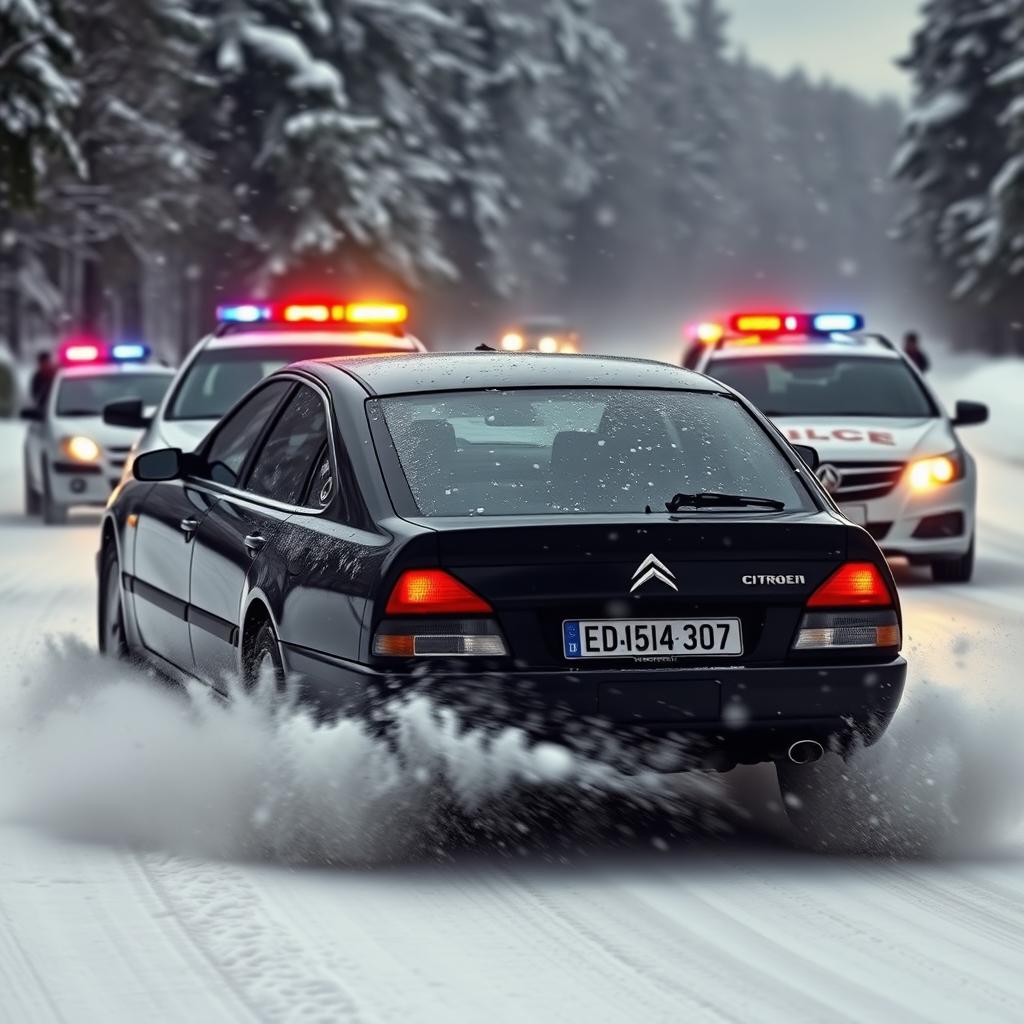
[(113, 907)]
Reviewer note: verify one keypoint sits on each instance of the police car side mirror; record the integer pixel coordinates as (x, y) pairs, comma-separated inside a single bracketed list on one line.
[(32, 413), (808, 455), (128, 412), (159, 465), (970, 414)]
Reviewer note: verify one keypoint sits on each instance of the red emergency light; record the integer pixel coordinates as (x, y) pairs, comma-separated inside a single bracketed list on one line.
[(77, 351)]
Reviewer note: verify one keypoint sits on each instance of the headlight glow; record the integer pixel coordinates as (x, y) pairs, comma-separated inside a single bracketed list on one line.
[(926, 474), (512, 342), (80, 449), (548, 344)]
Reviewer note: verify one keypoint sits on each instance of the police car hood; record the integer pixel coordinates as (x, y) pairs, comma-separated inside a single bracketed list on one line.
[(869, 438), (183, 434)]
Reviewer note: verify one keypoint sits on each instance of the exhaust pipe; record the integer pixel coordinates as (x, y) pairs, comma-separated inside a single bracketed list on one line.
[(806, 752)]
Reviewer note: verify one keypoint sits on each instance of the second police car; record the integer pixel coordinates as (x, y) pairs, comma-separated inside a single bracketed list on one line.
[(72, 455), (251, 340), (889, 454)]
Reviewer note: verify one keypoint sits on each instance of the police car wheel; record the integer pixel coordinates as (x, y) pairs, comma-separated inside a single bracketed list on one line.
[(958, 570), (32, 500), (113, 640), (262, 657), (54, 514)]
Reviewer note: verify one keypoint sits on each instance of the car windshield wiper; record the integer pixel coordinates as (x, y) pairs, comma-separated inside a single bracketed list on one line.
[(77, 412), (714, 499)]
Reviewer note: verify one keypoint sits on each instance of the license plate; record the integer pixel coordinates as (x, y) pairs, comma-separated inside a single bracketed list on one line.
[(651, 638), (855, 513)]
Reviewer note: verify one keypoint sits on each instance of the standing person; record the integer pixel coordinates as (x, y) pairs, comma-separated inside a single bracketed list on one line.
[(42, 379), (915, 353)]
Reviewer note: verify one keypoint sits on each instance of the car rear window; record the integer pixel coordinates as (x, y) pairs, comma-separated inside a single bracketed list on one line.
[(217, 378), (825, 385), (551, 451), (86, 396)]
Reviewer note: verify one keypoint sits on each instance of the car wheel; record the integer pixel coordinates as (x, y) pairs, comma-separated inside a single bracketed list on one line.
[(54, 514), (113, 639), (262, 656), (958, 570), (32, 501)]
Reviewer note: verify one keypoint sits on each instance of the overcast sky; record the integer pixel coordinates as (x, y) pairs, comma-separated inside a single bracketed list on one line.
[(852, 41)]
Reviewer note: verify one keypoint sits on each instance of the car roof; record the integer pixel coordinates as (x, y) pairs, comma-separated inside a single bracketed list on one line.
[(343, 339), (461, 371), (114, 370), (866, 347)]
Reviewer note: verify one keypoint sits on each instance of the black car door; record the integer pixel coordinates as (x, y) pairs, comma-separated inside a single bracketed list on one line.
[(234, 543), (170, 520)]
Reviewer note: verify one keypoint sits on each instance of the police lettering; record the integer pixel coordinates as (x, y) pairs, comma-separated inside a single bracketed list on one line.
[(850, 434)]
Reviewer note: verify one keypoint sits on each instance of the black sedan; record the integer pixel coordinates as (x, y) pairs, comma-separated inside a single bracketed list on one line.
[(573, 544)]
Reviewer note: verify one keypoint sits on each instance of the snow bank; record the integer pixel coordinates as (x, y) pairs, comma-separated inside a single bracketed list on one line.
[(99, 752), (1000, 384)]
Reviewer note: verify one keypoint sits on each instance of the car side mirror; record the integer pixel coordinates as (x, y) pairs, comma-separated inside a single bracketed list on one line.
[(32, 413), (162, 464), (808, 455), (128, 412), (970, 414)]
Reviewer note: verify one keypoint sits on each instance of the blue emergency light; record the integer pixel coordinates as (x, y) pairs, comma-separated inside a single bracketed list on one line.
[(247, 313), (129, 352), (832, 323)]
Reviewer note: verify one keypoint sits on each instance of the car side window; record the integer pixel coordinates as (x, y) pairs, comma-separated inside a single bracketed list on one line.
[(284, 465), (237, 435)]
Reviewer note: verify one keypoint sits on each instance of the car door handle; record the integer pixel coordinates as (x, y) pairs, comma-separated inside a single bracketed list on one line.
[(254, 543), (188, 527)]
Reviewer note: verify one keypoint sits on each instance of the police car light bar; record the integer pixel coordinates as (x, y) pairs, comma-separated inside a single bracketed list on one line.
[(368, 313), (795, 323)]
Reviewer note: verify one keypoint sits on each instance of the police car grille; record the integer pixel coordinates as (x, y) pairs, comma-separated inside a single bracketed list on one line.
[(865, 481), (118, 455)]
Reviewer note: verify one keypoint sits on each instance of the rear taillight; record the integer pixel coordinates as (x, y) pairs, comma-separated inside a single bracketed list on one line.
[(854, 585), (433, 604), (434, 592), (853, 609)]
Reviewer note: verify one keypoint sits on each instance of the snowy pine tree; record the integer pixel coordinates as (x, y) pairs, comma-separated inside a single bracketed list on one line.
[(954, 144), (37, 95)]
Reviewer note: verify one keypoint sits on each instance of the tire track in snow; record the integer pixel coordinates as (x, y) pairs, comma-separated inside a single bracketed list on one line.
[(271, 972)]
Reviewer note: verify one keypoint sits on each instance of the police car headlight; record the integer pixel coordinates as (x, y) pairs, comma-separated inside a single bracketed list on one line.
[(79, 448), (548, 344), (926, 474)]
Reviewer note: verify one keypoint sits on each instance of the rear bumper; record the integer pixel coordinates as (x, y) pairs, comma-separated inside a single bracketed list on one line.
[(745, 714)]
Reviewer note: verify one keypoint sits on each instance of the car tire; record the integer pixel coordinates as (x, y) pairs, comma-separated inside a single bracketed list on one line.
[(957, 570), (33, 503), (54, 514), (263, 653), (113, 636)]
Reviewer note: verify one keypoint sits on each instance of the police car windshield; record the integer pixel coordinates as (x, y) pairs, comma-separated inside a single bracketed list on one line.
[(217, 378), (579, 451), (86, 396), (825, 385)]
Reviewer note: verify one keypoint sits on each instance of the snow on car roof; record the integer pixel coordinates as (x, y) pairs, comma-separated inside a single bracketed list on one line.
[(114, 370), (855, 346)]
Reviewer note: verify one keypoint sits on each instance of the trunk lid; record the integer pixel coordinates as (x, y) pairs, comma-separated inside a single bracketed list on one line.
[(538, 574)]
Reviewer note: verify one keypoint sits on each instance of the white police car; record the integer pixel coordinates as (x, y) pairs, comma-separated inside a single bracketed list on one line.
[(251, 341), (888, 452), (71, 455)]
